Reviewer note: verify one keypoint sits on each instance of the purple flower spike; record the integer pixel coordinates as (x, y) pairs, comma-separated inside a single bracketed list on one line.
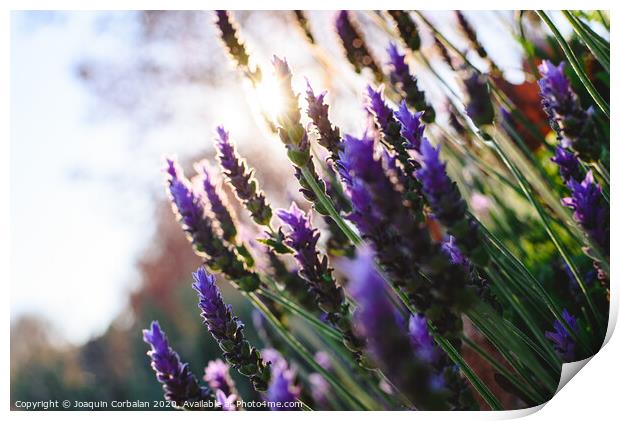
[(222, 212), (477, 98), (412, 128), (573, 125), (179, 384), (397, 60), (228, 331), (218, 377), (315, 269), (568, 164), (407, 85), (590, 210), (328, 135), (186, 204), (563, 343), (448, 206), (242, 179), (450, 248)]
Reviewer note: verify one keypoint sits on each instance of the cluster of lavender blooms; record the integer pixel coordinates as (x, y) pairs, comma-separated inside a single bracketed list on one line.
[(218, 378), (417, 262), (579, 141), (574, 125)]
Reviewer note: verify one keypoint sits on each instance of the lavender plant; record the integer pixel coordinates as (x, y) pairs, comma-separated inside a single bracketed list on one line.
[(408, 261)]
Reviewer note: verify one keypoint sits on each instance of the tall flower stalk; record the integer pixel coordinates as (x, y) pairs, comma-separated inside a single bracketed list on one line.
[(227, 330), (407, 84), (315, 269), (574, 126), (179, 384)]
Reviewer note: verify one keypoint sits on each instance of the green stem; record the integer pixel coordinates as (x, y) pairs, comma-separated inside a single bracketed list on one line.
[(594, 48), (327, 204), (303, 352), (295, 309)]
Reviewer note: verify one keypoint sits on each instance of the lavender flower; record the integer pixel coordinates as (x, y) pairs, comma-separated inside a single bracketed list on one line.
[(477, 98), (386, 336), (223, 213), (407, 28), (573, 125), (448, 206), (179, 384), (402, 242), (235, 46), (228, 331), (290, 130), (302, 238), (355, 47), (242, 179), (329, 135), (282, 388), (563, 343), (568, 164), (314, 268), (422, 340), (407, 85), (295, 138), (218, 377), (590, 210), (200, 230), (282, 391)]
